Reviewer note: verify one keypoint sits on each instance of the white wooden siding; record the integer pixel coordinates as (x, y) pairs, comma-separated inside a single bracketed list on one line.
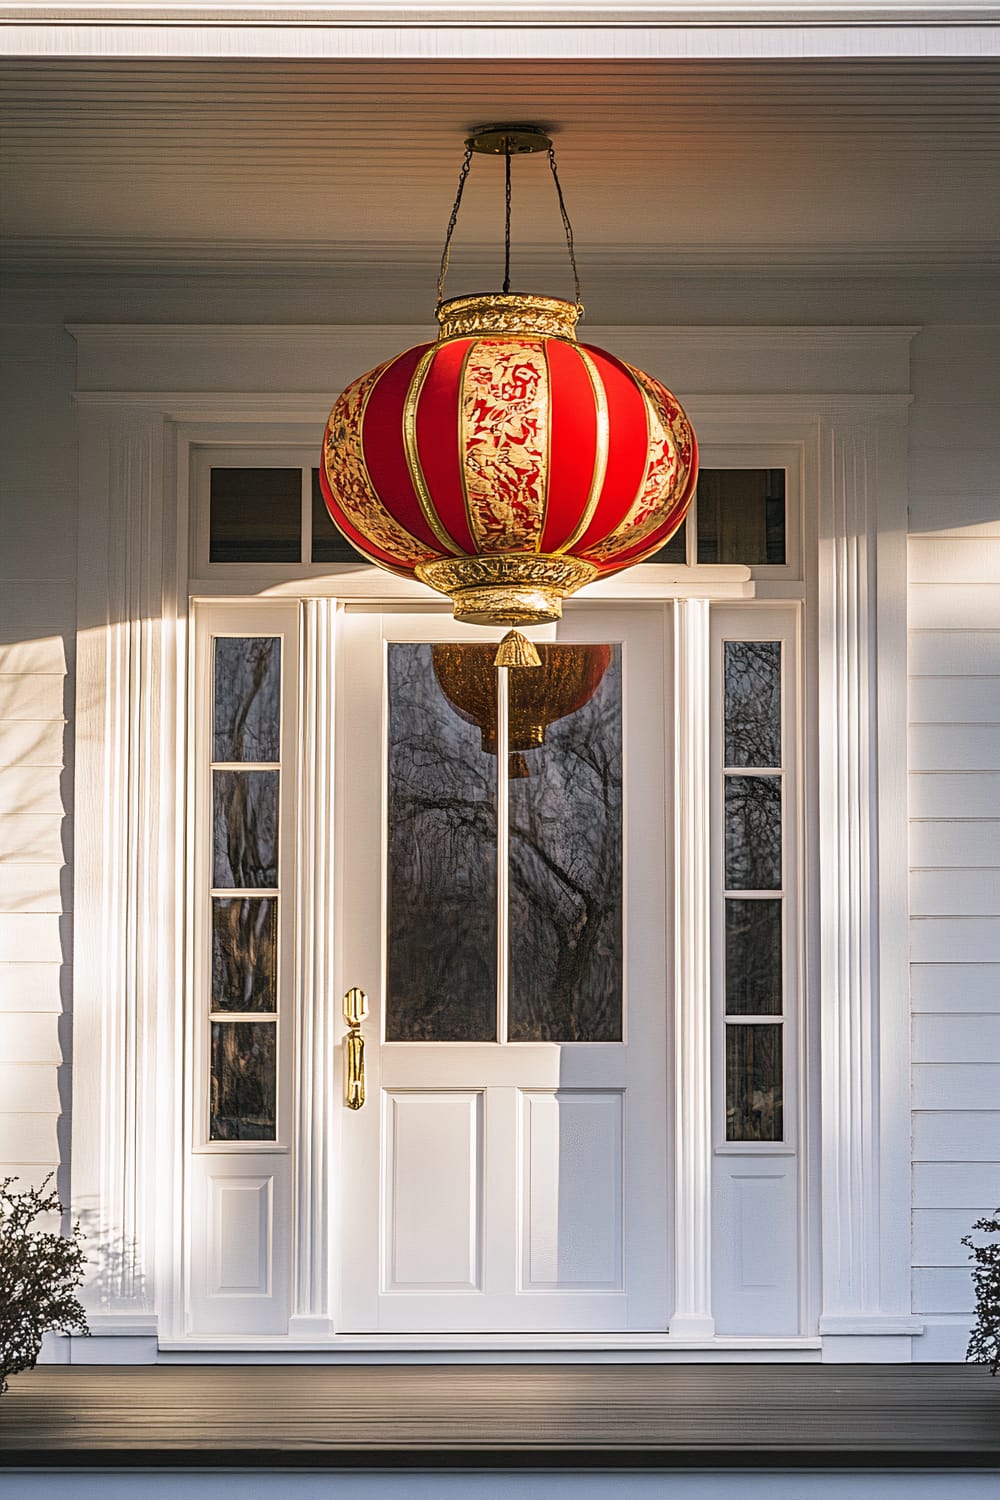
[(37, 625), (954, 758)]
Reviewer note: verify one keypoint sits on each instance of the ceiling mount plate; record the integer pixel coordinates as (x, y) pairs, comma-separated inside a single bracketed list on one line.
[(517, 140)]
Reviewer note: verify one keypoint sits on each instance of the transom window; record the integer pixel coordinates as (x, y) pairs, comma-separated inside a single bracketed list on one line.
[(261, 510)]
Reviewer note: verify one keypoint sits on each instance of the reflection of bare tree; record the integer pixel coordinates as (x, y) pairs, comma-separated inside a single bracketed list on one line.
[(565, 869), (243, 1081), (246, 825), (753, 833), (442, 863), (247, 698), (244, 942), (753, 1083), (753, 703), (566, 877)]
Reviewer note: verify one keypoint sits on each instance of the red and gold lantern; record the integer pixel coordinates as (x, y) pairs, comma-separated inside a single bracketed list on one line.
[(507, 464)]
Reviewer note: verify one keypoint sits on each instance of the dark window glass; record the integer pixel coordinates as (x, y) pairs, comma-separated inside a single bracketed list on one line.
[(753, 958), (244, 1081), (244, 953), (565, 799), (753, 703), (442, 855), (753, 833), (753, 1083), (329, 544), (255, 515), (247, 698), (741, 516), (245, 830), (674, 551)]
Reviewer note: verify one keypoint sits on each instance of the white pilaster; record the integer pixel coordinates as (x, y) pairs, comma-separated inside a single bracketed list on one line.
[(692, 1316), (316, 1009), (127, 863), (861, 593)]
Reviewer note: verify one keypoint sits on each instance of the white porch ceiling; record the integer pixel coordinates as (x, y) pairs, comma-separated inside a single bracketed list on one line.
[(349, 168)]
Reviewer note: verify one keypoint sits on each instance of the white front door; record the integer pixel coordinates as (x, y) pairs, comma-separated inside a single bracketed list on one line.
[(503, 870)]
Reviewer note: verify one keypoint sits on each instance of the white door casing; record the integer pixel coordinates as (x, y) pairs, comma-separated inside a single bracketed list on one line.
[(130, 828)]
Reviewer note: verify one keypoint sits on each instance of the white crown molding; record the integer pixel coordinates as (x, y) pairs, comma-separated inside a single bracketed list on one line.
[(517, 13), (836, 28), (189, 372), (412, 264)]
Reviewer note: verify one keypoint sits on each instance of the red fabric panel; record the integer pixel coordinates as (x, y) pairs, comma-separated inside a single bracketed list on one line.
[(626, 448), (354, 536), (572, 443), (663, 533), (384, 453), (438, 413)]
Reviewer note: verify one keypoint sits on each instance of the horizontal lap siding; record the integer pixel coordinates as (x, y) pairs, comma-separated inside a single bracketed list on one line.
[(954, 761), (37, 633)]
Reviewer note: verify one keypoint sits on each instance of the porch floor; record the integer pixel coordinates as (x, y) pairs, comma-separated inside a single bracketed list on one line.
[(488, 1416)]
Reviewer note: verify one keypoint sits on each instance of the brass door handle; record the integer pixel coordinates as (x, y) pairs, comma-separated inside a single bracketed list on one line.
[(355, 1011)]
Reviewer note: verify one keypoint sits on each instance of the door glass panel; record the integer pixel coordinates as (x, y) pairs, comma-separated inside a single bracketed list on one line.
[(565, 867), (753, 1082), (244, 953), (245, 830), (255, 515), (741, 516), (244, 1081), (753, 958), (442, 845), (247, 698), (753, 833), (753, 703)]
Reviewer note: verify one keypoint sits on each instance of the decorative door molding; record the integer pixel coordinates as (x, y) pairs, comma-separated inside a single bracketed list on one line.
[(130, 893)]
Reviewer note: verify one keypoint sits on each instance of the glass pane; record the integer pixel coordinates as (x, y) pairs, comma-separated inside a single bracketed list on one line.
[(741, 516), (244, 1081), (442, 851), (329, 544), (247, 695), (753, 703), (245, 829), (255, 515), (753, 833), (674, 551), (753, 1083), (753, 958), (566, 846), (244, 953)]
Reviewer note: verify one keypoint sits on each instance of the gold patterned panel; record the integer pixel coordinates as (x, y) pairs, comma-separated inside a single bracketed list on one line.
[(348, 477), (671, 455), (504, 442)]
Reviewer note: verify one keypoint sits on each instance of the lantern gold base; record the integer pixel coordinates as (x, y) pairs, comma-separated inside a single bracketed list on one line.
[(504, 589)]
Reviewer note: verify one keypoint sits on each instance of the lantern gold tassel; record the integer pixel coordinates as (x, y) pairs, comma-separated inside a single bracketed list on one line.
[(515, 650)]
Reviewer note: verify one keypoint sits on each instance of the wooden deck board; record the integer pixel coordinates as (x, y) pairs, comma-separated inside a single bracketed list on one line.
[(510, 1415)]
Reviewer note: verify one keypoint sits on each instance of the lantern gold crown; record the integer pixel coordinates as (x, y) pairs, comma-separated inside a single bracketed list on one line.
[(507, 464)]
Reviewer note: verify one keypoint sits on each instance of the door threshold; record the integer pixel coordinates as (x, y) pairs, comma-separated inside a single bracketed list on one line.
[(499, 1349)]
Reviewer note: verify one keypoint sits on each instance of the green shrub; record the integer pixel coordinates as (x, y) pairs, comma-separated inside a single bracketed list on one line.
[(984, 1344), (39, 1273)]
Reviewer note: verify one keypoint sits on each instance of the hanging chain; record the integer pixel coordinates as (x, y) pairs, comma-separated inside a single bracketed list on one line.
[(506, 224), (446, 252), (567, 226)]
